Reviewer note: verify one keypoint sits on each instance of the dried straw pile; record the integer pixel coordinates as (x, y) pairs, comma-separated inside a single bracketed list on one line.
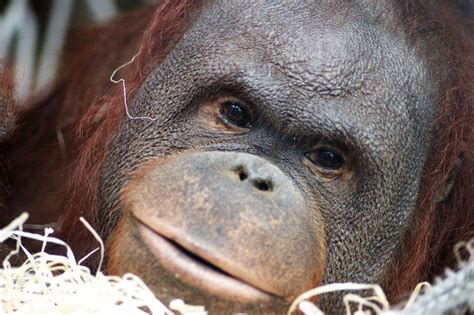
[(53, 284)]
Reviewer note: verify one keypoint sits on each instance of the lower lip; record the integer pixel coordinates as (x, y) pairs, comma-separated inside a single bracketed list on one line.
[(197, 274)]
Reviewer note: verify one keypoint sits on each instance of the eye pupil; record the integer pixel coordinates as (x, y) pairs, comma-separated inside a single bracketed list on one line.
[(326, 158), (236, 114)]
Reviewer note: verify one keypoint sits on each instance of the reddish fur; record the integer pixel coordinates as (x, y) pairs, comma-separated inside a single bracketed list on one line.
[(7, 124), (428, 247), (7, 99), (164, 27), (436, 227), (35, 153)]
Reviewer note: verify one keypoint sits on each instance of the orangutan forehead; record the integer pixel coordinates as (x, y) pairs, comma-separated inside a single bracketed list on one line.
[(325, 59)]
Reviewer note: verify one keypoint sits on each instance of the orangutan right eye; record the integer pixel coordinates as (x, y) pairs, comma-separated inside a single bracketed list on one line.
[(236, 114)]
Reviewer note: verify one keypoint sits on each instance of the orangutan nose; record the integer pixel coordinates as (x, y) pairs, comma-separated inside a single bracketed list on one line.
[(211, 203)]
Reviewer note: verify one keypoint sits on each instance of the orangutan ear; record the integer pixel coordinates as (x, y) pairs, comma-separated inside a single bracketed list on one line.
[(8, 114), (7, 122), (444, 190)]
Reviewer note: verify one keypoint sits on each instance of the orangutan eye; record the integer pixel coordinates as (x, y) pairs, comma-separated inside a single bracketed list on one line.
[(236, 114), (325, 158)]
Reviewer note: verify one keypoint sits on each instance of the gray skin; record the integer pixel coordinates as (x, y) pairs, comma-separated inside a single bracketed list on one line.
[(314, 74)]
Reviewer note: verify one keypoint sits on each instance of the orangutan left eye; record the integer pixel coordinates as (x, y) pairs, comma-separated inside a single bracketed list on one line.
[(325, 158)]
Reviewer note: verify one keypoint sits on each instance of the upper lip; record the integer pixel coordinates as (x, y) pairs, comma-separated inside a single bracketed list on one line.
[(197, 267)]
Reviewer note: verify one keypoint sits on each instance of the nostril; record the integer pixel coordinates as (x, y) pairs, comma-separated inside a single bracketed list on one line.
[(263, 185), (241, 172), (243, 176)]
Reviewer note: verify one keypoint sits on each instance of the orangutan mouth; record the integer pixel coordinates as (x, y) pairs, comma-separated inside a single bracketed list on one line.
[(199, 272)]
